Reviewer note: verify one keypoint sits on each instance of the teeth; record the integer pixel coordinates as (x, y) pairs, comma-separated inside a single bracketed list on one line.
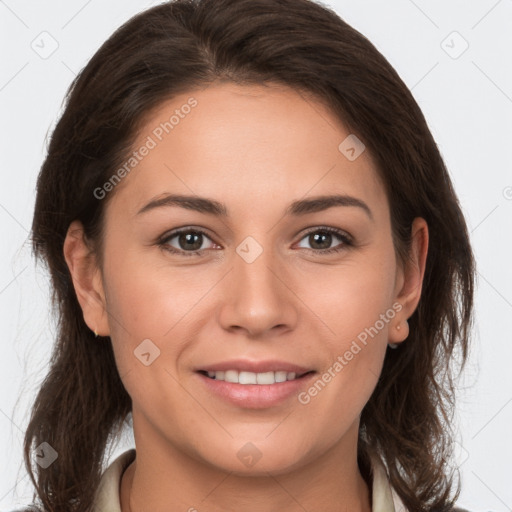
[(252, 378)]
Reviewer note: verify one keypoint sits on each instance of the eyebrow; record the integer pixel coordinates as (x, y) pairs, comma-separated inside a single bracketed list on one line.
[(297, 208)]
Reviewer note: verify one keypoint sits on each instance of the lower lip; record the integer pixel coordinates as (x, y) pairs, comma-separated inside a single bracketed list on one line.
[(256, 396)]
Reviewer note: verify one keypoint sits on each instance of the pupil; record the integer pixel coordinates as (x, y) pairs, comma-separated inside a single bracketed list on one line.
[(188, 239), (325, 237)]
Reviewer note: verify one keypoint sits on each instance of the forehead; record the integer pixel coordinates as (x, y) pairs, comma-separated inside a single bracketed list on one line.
[(245, 144)]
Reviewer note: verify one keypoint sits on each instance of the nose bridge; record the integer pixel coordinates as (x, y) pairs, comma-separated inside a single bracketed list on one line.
[(258, 299), (255, 274)]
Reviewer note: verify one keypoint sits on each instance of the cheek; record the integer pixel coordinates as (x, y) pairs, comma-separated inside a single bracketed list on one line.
[(147, 307), (149, 298), (352, 298), (354, 305), (354, 355)]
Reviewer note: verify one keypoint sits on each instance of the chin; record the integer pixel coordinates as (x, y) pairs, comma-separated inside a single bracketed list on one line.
[(248, 458)]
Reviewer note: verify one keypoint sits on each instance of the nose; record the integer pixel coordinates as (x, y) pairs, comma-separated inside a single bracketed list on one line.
[(258, 297)]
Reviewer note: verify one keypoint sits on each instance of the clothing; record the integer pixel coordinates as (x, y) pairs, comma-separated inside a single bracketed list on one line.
[(107, 495)]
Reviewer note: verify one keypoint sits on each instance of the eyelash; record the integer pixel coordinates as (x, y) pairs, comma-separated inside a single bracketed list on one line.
[(344, 237)]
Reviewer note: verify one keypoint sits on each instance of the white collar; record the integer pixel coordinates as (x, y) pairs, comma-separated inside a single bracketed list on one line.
[(107, 496)]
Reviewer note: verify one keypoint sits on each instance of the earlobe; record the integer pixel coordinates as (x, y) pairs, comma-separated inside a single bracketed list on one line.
[(412, 280), (87, 280)]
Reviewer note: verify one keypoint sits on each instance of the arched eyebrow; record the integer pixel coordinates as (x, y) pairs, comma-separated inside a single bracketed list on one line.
[(296, 208)]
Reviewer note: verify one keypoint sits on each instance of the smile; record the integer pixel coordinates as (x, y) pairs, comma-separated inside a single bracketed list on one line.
[(244, 377)]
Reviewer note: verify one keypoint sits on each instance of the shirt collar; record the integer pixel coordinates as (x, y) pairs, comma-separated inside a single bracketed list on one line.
[(107, 496)]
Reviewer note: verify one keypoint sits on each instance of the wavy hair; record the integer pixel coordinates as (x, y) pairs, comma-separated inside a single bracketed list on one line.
[(180, 45)]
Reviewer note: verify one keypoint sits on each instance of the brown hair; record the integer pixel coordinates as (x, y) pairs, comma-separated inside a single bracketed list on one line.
[(175, 47)]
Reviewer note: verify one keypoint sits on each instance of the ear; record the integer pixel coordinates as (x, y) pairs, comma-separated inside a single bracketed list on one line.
[(87, 279), (409, 280)]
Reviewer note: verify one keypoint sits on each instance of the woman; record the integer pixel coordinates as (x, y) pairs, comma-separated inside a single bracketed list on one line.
[(298, 354)]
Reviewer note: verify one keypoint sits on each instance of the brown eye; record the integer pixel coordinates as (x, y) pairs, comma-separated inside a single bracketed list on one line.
[(190, 240), (321, 239), (187, 242)]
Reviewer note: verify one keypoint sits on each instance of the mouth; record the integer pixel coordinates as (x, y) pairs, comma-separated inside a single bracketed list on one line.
[(255, 390), (262, 379)]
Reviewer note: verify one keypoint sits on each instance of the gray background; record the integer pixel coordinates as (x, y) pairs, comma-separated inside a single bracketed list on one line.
[(466, 96)]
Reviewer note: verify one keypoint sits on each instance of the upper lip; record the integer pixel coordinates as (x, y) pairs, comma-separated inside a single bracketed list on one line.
[(246, 365)]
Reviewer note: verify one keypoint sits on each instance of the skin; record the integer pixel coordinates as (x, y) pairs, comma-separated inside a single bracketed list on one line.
[(255, 149)]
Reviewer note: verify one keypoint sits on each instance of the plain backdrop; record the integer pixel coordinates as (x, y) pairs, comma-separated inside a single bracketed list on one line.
[(455, 56)]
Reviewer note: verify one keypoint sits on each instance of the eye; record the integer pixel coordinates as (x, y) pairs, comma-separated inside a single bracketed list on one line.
[(188, 242), (322, 238)]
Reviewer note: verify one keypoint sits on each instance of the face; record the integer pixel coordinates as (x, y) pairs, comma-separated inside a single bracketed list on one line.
[(260, 271)]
